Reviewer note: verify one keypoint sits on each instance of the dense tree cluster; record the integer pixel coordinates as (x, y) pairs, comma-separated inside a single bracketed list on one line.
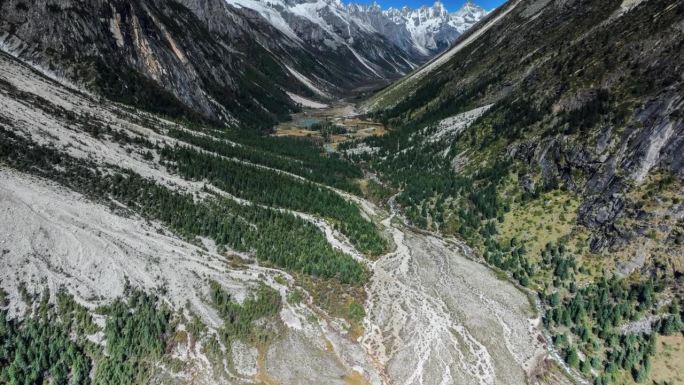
[(274, 189), (40, 348), (589, 318), (328, 129), (511, 258), (309, 152), (433, 194), (136, 332), (314, 166), (50, 345)]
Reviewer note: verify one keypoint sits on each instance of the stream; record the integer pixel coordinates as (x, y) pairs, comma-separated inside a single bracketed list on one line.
[(436, 316)]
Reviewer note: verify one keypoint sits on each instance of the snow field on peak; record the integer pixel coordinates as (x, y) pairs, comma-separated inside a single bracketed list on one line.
[(423, 25)]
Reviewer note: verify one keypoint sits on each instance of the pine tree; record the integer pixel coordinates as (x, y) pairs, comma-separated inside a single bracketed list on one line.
[(571, 357)]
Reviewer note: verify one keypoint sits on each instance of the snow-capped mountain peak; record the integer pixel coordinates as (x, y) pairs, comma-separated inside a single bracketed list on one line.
[(372, 35), (433, 29)]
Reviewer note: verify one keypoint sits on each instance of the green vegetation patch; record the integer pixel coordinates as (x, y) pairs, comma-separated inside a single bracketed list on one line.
[(300, 157), (540, 221), (239, 318), (40, 348), (136, 332), (275, 189), (50, 343)]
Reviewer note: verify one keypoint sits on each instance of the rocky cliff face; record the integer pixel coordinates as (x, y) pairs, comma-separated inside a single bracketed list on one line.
[(158, 55)]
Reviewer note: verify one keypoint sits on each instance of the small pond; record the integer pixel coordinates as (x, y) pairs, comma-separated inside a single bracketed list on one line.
[(308, 122)]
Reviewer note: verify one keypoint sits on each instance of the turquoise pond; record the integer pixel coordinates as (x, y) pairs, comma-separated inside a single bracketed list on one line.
[(308, 122)]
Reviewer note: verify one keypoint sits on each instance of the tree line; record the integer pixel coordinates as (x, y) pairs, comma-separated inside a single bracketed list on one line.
[(274, 189)]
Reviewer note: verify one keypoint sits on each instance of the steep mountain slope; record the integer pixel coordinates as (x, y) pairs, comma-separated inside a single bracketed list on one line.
[(228, 62), (560, 83), (551, 137), (93, 216), (327, 29), (384, 43)]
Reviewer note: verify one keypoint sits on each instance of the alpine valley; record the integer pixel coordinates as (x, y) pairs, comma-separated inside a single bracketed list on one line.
[(233, 63), (315, 192)]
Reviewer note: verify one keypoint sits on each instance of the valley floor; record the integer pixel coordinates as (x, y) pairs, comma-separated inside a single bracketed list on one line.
[(432, 315), (331, 125)]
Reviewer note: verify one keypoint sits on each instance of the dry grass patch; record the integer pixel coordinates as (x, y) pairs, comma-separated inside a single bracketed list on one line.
[(668, 363), (540, 221), (355, 378), (297, 132), (338, 300)]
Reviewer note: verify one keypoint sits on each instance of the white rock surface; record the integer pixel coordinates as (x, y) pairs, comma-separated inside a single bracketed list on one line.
[(437, 317)]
